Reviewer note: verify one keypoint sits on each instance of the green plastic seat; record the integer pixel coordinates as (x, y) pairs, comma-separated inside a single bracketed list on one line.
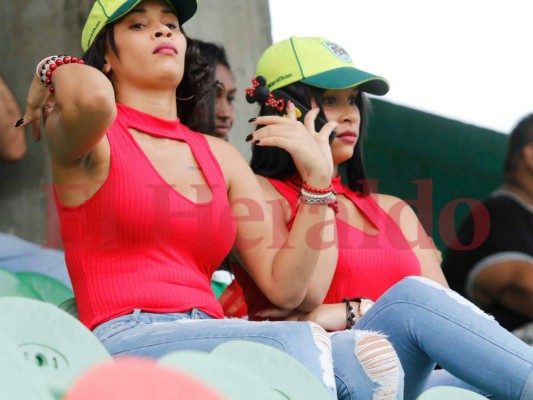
[(12, 285), (52, 342), (231, 379), (19, 380), (218, 288), (279, 370), (135, 378), (70, 306), (449, 393), (50, 289)]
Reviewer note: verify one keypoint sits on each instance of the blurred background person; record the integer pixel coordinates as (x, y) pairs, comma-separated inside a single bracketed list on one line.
[(498, 273), (221, 106)]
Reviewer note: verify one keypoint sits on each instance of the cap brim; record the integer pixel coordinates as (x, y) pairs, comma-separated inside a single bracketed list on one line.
[(347, 77), (185, 9)]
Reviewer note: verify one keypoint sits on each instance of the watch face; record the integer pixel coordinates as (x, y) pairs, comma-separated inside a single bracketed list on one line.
[(365, 305)]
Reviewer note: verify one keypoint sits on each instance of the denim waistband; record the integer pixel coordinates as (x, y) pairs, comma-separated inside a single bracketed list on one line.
[(138, 316)]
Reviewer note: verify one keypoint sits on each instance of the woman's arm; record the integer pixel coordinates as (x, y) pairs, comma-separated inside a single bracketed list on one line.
[(320, 281), (415, 235), (281, 263), (331, 317), (12, 140), (77, 115)]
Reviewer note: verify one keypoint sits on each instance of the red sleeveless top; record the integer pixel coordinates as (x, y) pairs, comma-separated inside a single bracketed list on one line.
[(137, 243), (368, 264)]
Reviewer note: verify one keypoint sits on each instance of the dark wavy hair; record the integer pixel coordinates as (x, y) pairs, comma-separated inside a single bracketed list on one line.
[(273, 162), (213, 55), (195, 90)]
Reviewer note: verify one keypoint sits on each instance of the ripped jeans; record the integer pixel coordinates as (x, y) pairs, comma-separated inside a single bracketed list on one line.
[(154, 335), (429, 324)]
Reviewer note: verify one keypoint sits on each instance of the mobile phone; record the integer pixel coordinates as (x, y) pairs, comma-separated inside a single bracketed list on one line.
[(319, 121)]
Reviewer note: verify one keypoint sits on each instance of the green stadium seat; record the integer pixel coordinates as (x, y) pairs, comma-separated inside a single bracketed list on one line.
[(70, 306), (19, 380), (50, 289), (52, 342), (449, 393), (231, 379), (12, 285), (279, 370)]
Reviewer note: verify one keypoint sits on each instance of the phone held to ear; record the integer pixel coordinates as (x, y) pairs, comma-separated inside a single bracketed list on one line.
[(277, 101)]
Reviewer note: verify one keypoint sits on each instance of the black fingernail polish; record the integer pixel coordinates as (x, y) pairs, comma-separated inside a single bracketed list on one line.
[(19, 122), (249, 137), (257, 141), (252, 119)]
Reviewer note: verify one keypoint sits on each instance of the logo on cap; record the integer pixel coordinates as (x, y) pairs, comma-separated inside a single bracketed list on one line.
[(337, 51), (279, 79)]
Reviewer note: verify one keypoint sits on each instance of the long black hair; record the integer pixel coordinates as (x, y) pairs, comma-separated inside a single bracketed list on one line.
[(273, 162), (193, 93)]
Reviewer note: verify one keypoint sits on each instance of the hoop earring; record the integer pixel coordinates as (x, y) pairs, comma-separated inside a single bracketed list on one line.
[(185, 99)]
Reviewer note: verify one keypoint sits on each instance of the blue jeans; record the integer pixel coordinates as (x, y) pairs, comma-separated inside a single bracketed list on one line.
[(376, 374), (429, 324), (154, 335)]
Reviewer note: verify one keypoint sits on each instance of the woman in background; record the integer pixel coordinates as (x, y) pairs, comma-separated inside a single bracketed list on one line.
[(384, 254)]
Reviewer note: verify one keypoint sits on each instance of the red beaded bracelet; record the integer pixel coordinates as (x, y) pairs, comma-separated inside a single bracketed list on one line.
[(333, 204), (316, 190), (49, 65)]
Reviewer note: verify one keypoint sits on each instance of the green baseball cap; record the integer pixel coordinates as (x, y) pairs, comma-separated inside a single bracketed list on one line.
[(107, 11), (318, 62)]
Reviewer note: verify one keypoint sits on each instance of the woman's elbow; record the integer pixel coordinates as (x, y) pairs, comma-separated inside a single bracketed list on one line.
[(286, 300), (311, 301), (99, 101)]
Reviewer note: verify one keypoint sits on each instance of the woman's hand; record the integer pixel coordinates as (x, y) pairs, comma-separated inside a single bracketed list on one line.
[(331, 317), (38, 95), (310, 150)]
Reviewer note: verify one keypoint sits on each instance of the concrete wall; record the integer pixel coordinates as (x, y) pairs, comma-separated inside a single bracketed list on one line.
[(34, 29)]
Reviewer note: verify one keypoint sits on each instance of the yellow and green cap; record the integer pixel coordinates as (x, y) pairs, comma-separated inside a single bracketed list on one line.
[(104, 12), (317, 62)]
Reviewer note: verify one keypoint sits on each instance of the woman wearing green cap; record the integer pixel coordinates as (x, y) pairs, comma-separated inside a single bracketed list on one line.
[(149, 208), (424, 320)]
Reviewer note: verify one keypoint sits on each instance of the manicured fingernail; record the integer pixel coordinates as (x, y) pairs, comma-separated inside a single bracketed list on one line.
[(19, 122), (252, 119), (257, 141), (260, 313), (249, 137)]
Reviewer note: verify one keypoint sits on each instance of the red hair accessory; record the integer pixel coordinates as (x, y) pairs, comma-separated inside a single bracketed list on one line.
[(259, 93)]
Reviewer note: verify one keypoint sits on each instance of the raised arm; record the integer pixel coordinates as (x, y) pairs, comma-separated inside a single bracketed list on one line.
[(12, 140), (326, 264), (77, 114), (282, 263)]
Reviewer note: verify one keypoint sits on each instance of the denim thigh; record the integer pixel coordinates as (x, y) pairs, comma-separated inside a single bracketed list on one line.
[(428, 323), (154, 335)]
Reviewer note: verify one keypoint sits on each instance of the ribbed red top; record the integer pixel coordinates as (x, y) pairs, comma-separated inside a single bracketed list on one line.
[(137, 243), (368, 264)]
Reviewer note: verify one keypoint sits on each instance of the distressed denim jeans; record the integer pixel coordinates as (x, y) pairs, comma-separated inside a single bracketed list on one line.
[(428, 324)]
